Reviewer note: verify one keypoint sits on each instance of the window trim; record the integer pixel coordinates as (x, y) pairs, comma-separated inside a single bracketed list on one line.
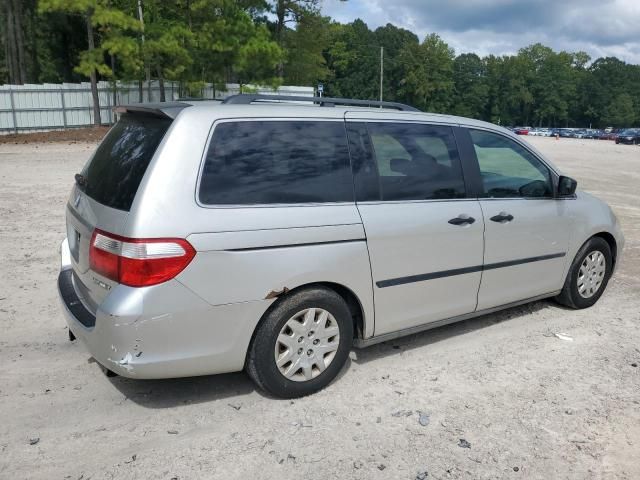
[(372, 158), (479, 188), (220, 121)]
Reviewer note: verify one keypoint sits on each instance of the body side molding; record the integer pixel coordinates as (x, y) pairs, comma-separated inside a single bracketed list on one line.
[(461, 271)]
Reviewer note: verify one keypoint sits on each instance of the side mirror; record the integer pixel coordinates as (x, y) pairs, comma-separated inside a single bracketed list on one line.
[(566, 186)]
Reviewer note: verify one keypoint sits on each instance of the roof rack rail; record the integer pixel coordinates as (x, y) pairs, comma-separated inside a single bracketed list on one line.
[(247, 99)]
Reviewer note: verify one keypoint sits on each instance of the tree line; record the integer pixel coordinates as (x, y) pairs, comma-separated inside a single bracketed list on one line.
[(274, 42)]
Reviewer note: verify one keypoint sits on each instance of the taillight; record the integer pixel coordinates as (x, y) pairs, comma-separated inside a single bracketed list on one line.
[(138, 262)]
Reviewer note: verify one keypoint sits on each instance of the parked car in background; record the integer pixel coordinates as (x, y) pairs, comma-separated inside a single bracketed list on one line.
[(540, 132), (565, 133), (254, 235), (522, 130), (607, 135), (578, 133), (592, 133), (630, 136)]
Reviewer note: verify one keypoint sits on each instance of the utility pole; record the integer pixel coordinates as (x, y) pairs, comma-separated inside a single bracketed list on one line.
[(147, 67), (381, 70)]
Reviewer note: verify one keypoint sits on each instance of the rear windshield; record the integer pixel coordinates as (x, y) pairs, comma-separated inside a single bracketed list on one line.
[(114, 173)]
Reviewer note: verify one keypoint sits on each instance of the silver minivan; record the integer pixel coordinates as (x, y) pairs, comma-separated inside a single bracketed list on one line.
[(274, 236)]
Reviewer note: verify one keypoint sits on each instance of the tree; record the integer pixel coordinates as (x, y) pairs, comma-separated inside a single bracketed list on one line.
[(230, 45), (393, 40), (290, 11), (428, 74), (304, 47), (471, 90), (551, 81), (620, 112), (169, 41), (112, 21), (257, 58), (353, 58), (15, 52)]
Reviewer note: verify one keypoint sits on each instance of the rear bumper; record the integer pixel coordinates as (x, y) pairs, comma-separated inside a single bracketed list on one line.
[(72, 302), (164, 331)]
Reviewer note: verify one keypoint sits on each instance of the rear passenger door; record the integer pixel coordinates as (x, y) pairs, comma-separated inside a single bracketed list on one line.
[(425, 238)]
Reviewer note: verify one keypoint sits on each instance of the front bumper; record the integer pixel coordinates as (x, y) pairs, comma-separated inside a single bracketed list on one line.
[(164, 331)]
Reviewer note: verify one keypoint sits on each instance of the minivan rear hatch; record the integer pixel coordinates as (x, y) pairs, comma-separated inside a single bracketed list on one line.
[(105, 190)]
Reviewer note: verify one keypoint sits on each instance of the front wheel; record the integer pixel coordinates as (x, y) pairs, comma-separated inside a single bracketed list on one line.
[(588, 275), (301, 344)]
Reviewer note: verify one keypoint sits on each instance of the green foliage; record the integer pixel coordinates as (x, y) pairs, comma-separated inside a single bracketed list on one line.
[(270, 42), (427, 79), (470, 84), (621, 111), (393, 40), (257, 58), (353, 59), (305, 63), (114, 26)]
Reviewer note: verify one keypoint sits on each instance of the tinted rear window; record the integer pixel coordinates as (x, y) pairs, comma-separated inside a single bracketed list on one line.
[(266, 162), (116, 169)]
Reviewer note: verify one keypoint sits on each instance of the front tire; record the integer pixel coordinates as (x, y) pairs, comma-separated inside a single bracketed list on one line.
[(588, 275), (301, 344)]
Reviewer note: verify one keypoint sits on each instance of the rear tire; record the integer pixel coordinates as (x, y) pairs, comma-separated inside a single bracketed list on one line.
[(588, 275), (301, 344)]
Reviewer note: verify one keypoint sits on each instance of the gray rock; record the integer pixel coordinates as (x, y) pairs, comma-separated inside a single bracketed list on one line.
[(402, 413), (464, 444), (424, 418)]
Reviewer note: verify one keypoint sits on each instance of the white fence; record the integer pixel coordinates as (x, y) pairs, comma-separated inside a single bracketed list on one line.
[(69, 105)]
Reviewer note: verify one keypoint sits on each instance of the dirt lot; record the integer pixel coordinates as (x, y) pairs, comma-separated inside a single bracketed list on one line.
[(72, 136), (499, 396)]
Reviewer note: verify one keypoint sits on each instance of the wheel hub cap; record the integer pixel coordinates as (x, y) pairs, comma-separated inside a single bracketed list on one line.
[(591, 274), (307, 344)]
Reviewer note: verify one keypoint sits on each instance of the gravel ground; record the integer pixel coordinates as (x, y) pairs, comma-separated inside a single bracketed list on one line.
[(495, 397)]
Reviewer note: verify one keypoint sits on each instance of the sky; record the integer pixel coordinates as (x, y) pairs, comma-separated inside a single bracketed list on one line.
[(598, 27)]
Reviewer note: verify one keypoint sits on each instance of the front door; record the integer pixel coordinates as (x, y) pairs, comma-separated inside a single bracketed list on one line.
[(526, 229), (425, 238)]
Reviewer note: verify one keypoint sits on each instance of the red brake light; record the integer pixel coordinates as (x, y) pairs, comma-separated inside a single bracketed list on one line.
[(138, 262)]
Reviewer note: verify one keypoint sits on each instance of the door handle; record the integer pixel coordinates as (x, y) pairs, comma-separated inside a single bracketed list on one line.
[(462, 220), (502, 217)]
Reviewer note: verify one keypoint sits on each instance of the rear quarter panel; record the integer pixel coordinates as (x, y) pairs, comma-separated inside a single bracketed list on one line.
[(334, 248), (223, 276)]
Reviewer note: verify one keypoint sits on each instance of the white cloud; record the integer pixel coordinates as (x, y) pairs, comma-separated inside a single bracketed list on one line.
[(599, 27)]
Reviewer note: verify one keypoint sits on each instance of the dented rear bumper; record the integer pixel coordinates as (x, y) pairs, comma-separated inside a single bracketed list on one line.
[(163, 331)]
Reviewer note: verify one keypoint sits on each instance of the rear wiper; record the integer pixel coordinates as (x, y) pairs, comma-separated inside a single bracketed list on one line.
[(81, 180)]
